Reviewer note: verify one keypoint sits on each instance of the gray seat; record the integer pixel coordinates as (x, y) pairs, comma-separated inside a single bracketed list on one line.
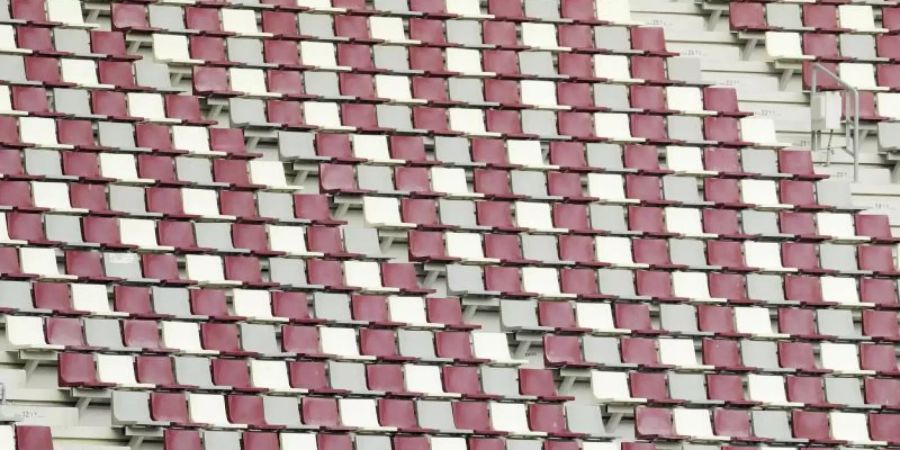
[(194, 170), (466, 280), (418, 344), (689, 252), (685, 128), (397, 117), (323, 84), (193, 371), (248, 112), (393, 58), (394, 6), (690, 387), (760, 222), (587, 419), (362, 240), (288, 271), (601, 350), (772, 425), (836, 193), (541, 123), (502, 381), (221, 440), (838, 257), (12, 68), (518, 314), (277, 205), (540, 247), (171, 301), (530, 183), (16, 295), (466, 33), (678, 318), (523, 444), (783, 15), (282, 411), (612, 38), (347, 375), (684, 69), (296, 145), (768, 288), (118, 135), (330, 306), (466, 90), (452, 150), (844, 391), (888, 137), (63, 228), (72, 40), (605, 156), (372, 442), (760, 354), (153, 75), (215, 235), (260, 338), (760, 161), (542, 9), (72, 101), (612, 96), (681, 189), (837, 322), (170, 18), (459, 213), (436, 415), (103, 333), (609, 218), (123, 265), (619, 282), (245, 51), (316, 25), (376, 178), (127, 199), (539, 64), (131, 408)]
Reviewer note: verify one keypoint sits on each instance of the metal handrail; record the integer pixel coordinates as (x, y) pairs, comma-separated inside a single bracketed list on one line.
[(854, 98)]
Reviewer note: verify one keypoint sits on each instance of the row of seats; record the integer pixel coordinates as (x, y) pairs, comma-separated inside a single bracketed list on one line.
[(820, 17), (717, 355)]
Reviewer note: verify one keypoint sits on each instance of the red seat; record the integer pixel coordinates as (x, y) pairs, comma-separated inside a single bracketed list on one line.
[(875, 226), (411, 443), (165, 200), (211, 81), (885, 427), (287, 83), (654, 423), (727, 254), (651, 69), (170, 407), (429, 31), (30, 99), (454, 345), (576, 95), (502, 62), (176, 234), (156, 137), (246, 269), (654, 252), (387, 378), (799, 356), (432, 89), (247, 409), (716, 319), (27, 227), (812, 425), (651, 40), (447, 311), (427, 59), (409, 148), (282, 24), (205, 20), (634, 317), (356, 56), (877, 258), (156, 167), (802, 256), (303, 340), (563, 351), (641, 351), (163, 267), (505, 247), (880, 324), (539, 382), (647, 189), (251, 236), (728, 388), (371, 308), (110, 104), (649, 98), (576, 124), (578, 10), (102, 230), (399, 413), (883, 391), (581, 282), (414, 180), (77, 370), (723, 100), (53, 296), (187, 108), (806, 390), (285, 113), (231, 171), (579, 249), (801, 194), (497, 215), (330, 441), (823, 83), (134, 300), (890, 18), (380, 343), (655, 284), (222, 337), (800, 323), (723, 354), (142, 334), (504, 92), (507, 122), (16, 194), (256, 440), (422, 212), (501, 34), (822, 17), (320, 411), (651, 386), (9, 263), (879, 291), (733, 423), (463, 380), (506, 280), (571, 217), (291, 305), (731, 286), (233, 373), (129, 17), (803, 288), (283, 53), (117, 73), (338, 179), (33, 437), (746, 16), (211, 303), (494, 184), (472, 416), (880, 358), (506, 9), (549, 418), (402, 276), (66, 331), (822, 46), (315, 208), (358, 85), (428, 246), (801, 224), (310, 375), (724, 130)]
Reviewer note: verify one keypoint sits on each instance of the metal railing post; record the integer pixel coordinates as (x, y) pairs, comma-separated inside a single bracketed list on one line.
[(849, 104)]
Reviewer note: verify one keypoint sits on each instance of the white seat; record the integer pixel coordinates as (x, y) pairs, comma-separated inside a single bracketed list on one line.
[(52, 195), (383, 212), (598, 317), (841, 290), (859, 75), (540, 35), (319, 54), (764, 255), (249, 81), (192, 139), (148, 106), (614, 126), (694, 423), (468, 121), (372, 147), (40, 131), (544, 281), (323, 114), (510, 418), (389, 29), (40, 261), (272, 375), (615, 250), (852, 427), (785, 45), (7, 437), (120, 166), (608, 187), (536, 216), (841, 358), (466, 246), (685, 221), (359, 413), (82, 72), (6, 106), (366, 275), (340, 342), (754, 320), (860, 18), (451, 181), (686, 99), (205, 269), (27, 332), (139, 232), (288, 239), (889, 105), (8, 41), (409, 310), (493, 346), (614, 11), (768, 389), (448, 443), (465, 61), (253, 304), (240, 21), (692, 285), (201, 202), (614, 68), (612, 387), (172, 48), (270, 174), (424, 379), (466, 8), (183, 336), (305, 441), (394, 87), (117, 369), (839, 226), (680, 353), (540, 93), (686, 160), (760, 131), (527, 154), (92, 298), (67, 12), (209, 409), (762, 193)]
